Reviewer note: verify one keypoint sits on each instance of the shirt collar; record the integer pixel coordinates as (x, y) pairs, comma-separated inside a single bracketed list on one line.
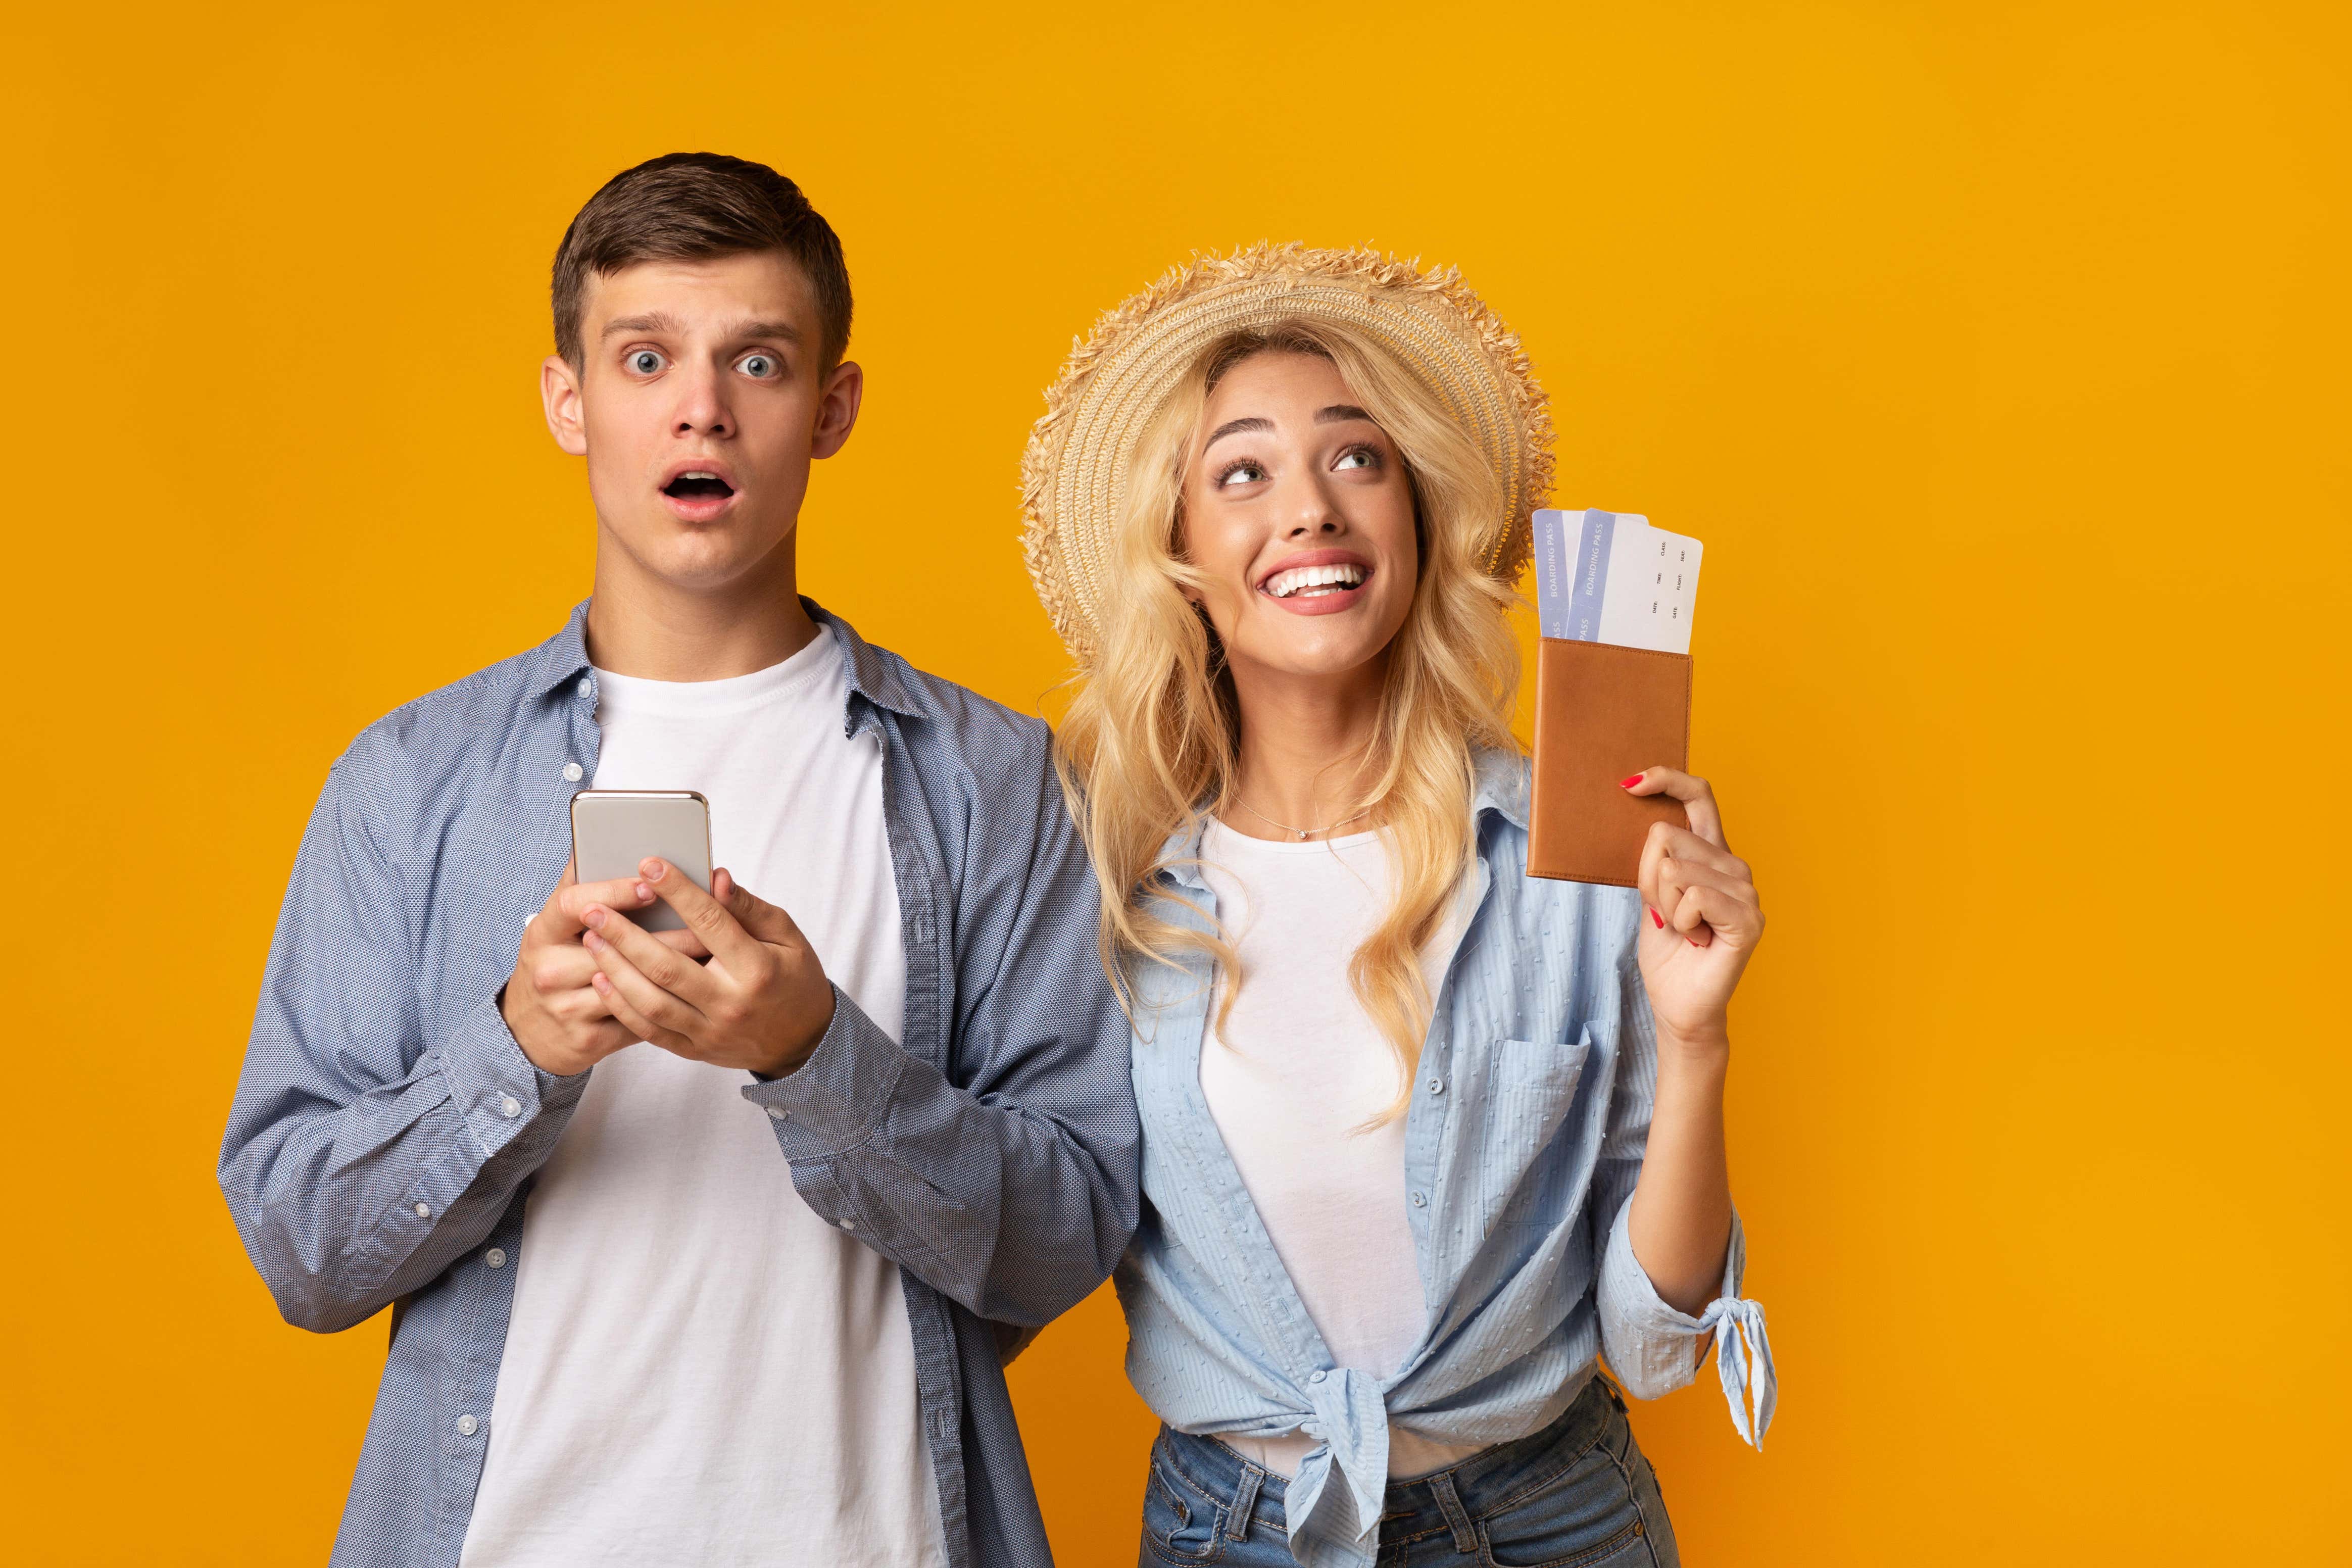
[(563, 658), (1499, 785), (872, 676)]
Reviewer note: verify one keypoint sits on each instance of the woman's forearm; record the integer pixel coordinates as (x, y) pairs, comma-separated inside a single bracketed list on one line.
[(1680, 1220)]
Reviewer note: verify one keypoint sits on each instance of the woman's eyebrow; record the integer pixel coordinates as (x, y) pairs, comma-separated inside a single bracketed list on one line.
[(1235, 428), (1343, 411)]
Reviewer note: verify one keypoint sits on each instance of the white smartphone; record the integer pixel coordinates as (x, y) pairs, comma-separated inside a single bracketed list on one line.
[(612, 829)]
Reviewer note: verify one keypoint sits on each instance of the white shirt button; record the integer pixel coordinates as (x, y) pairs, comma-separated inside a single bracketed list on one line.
[(587, 687), (849, 1224), (424, 1211), (511, 1107), (1318, 1376), (467, 1426), (1421, 1200), (572, 771), (777, 1113), (495, 1258), (1437, 1086)]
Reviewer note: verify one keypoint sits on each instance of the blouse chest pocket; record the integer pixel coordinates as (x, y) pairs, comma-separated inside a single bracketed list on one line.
[(1527, 1088)]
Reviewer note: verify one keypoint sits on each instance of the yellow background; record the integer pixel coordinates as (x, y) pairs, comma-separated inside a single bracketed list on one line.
[(1997, 351)]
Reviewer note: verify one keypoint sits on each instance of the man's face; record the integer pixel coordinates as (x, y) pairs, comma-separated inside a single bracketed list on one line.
[(699, 403)]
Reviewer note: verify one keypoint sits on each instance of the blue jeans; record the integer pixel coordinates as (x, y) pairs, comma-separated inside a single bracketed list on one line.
[(1578, 1494)]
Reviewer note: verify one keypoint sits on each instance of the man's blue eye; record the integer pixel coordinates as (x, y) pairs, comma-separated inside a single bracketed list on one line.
[(758, 364), (644, 361)]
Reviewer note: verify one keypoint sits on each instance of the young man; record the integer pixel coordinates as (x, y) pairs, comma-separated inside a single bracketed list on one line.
[(704, 1247)]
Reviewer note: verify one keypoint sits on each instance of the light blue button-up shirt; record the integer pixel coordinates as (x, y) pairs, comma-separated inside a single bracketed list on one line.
[(1529, 1115)]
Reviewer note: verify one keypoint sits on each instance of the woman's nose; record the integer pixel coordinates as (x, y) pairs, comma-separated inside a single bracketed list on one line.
[(1315, 514)]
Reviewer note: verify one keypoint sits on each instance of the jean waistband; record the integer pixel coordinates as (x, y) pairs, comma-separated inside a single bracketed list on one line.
[(1485, 1478)]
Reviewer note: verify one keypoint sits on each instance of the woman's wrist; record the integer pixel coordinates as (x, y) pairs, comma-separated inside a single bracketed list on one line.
[(1705, 1049)]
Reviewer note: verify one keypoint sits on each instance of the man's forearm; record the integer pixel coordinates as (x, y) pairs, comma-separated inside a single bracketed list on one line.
[(993, 1203)]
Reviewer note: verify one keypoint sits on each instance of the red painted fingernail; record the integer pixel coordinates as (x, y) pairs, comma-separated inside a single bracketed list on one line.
[(1629, 783), (1658, 919), (1695, 942)]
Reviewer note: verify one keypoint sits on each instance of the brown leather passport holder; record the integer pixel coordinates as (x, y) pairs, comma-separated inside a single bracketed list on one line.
[(1603, 714)]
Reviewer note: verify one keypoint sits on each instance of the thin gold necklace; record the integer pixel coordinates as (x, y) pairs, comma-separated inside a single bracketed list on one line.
[(1302, 831)]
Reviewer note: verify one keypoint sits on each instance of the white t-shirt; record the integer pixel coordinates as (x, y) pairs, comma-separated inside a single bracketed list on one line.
[(699, 1370), (1297, 1070)]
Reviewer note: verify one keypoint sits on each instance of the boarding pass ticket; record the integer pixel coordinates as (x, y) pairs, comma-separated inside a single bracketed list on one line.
[(1609, 576)]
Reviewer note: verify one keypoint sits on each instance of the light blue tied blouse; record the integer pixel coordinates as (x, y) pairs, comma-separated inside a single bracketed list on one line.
[(1530, 1111)]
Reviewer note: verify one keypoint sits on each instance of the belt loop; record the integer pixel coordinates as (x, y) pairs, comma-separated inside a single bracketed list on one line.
[(1245, 1509), (1449, 1501)]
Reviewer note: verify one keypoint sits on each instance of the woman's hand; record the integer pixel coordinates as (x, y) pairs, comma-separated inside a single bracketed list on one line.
[(1700, 917)]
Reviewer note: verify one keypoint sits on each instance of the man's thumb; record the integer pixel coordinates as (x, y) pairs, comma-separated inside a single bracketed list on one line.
[(753, 913)]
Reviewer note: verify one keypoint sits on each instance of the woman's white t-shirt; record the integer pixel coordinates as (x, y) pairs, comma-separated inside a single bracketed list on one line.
[(1293, 1078)]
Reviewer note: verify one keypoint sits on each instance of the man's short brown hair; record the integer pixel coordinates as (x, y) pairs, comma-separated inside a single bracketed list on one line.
[(691, 207)]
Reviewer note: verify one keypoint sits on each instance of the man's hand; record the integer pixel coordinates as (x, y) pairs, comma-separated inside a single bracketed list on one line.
[(555, 1015), (762, 1003)]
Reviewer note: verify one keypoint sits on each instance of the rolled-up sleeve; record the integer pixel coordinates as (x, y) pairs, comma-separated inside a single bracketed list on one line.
[(361, 1158)]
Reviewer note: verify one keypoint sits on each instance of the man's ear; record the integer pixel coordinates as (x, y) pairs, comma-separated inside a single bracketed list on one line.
[(836, 408), (559, 391)]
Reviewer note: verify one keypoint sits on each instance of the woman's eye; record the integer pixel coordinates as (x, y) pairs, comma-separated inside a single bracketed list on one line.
[(1242, 473), (644, 361), (1358, 458), (757, 364)]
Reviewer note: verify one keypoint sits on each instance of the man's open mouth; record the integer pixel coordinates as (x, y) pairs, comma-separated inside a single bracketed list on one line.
[(697, 484)]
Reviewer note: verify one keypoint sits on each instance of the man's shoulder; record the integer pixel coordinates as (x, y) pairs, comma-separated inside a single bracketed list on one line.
[(432, 747), (957, 724)]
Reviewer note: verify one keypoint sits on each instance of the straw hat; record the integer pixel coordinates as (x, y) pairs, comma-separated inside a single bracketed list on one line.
[(1074, 470)]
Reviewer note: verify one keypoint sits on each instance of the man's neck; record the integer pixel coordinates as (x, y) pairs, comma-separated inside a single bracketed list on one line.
[(640, 625)]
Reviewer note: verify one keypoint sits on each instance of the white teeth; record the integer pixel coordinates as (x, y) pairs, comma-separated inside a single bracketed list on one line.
[(1304, 579), (698, 474)]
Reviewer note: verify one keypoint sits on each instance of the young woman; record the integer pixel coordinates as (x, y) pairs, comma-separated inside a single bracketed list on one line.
[(1423, 1137)]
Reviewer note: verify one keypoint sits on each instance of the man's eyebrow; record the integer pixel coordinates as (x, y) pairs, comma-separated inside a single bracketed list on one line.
[(659, 321), (654, 322), (1235, 428), (1339, 412)]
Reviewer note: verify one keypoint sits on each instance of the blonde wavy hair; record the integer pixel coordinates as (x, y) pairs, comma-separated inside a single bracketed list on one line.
[(1150, 736)]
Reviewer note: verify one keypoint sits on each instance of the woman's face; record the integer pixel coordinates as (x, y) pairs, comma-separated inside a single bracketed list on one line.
[(1297, 508)]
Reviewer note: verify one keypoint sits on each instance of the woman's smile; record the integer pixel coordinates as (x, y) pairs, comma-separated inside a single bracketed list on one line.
[(1317, 582)]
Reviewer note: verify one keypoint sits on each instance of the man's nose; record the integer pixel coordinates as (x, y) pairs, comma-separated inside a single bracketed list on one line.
[(702, 407)]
